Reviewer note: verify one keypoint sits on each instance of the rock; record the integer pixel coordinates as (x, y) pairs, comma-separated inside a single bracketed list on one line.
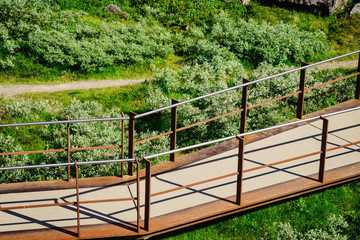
[(356, 9), (330, 5), (117, 10), (242, 2)]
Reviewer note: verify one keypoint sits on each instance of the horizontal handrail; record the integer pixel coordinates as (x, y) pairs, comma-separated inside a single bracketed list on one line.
[(209, 120), (189, 126), (333, 81), (190, 147), (240, 110), (67, 164), (273, 100), (63, 122), (249, 133), (243, 85), (60, 150)]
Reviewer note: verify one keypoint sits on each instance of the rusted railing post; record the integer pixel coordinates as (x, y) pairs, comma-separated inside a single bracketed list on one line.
[(300, 106), (122, 144), (323, 148), (68, 147), (131, 141), (244, 107), (147, 194), (357, 93), (77, 199), (138, 194), (240, 170), (173, 129)]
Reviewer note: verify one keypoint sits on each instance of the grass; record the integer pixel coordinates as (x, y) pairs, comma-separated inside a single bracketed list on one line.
[(304, 213), (28, 71), (128, 98)]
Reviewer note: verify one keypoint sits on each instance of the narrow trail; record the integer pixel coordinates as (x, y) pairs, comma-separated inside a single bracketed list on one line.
[(339, 64), (12, 90)]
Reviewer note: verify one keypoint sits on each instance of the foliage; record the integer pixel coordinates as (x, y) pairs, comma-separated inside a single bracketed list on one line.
[(197, 80), (67, 40), (115, 45), (333, 230), (226, 39), (256, 42), (55, 136), (170, 13), (331, 213), (7, 144), (87, 49), (285, 109)]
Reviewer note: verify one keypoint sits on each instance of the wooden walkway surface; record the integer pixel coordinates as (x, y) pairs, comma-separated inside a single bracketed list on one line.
[(192, 204)]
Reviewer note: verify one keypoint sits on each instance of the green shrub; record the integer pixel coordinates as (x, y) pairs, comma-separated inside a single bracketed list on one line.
[(256, 42), (7, 144), (66, 39), (336, 224), (249, 41)]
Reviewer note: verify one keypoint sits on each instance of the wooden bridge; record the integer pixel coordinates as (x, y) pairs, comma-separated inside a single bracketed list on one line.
[(227, 176)]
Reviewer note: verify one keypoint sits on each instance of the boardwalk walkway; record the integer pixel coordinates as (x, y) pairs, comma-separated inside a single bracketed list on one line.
[(194, 203)]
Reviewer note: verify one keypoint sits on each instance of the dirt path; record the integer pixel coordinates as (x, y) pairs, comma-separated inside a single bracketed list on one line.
[(339, 64), (11, 90)]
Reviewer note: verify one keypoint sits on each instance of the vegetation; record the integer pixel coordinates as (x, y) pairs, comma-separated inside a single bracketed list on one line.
[(186, 49), (331, 214), (48, 41)]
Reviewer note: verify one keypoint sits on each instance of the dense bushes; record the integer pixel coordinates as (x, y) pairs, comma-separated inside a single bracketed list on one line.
[(250, 41), (69, 39), (66, 39), (170, 13), (263, 42), (87, 48)]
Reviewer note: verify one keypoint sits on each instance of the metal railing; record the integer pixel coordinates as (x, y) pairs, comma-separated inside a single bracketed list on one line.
[(174, 130), (69, 149), (240, 171), (244, 104), (78, 202), (173, 107)]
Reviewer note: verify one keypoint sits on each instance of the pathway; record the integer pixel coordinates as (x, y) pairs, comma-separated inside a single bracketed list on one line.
[(11, 90)]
